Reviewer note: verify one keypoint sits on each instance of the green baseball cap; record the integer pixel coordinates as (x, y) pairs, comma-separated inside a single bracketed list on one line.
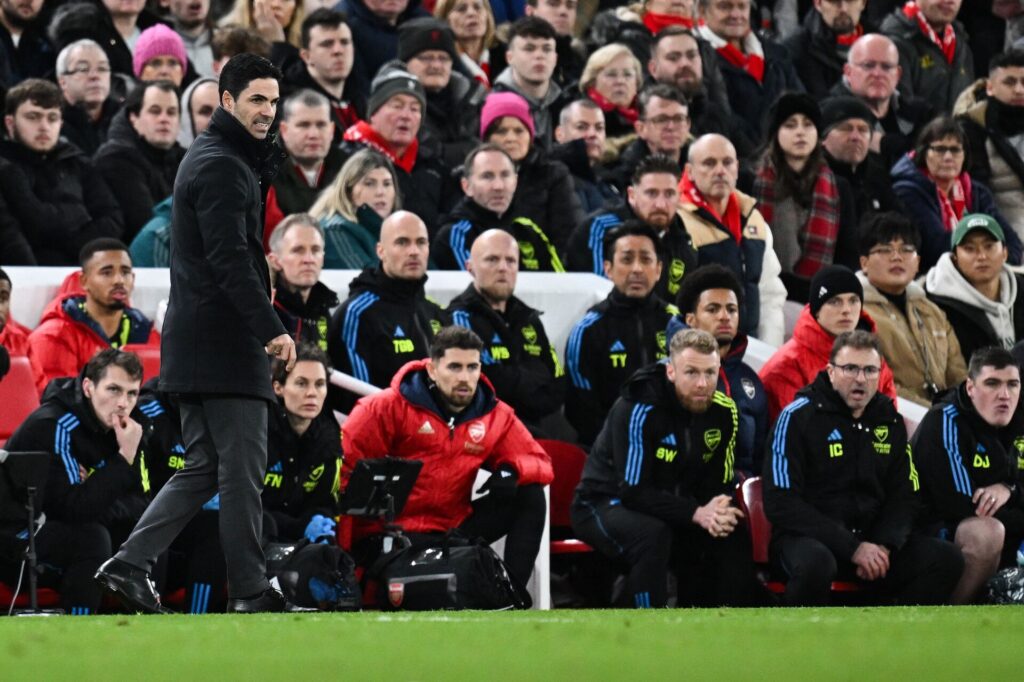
[(977, 221)]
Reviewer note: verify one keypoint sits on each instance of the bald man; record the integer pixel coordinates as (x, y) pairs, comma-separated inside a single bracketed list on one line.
[(387, 320), (726, 228), (517, 358)]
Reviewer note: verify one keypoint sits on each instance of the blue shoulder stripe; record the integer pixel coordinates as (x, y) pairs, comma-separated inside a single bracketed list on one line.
[(572, 350), (152, 409), (461, 318), (780, 465), (457, 242), (595, 239), (350, 333), (951, 442), (62, 446), (635, 454)]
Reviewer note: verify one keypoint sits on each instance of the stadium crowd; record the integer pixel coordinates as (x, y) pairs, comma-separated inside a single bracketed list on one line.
[(721, 162)]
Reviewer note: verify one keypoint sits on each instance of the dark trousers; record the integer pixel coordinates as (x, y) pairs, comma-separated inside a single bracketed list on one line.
[(226, 453), (195, 561), (924, 571), (710, 571)]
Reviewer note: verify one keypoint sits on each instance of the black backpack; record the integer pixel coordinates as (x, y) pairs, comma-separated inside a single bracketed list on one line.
[(315, 575)]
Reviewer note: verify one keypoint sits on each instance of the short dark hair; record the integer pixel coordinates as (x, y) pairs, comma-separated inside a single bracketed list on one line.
[(133, 102), (101, 244), (326, 17), (661, 91), (990, 356), (97, 366), (531, 27), (454, 336), (1003, 60), (710, 276), (4, 277), (858, 339), (467, 164), (304, 352), (938, 128), (40, 92), (671, 32), (631, 228), (885, 226), (232, 40), (656, 163), (243, 69)]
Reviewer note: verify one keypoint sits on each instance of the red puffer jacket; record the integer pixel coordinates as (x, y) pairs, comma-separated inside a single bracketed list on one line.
[(404, 421), (799, 360)]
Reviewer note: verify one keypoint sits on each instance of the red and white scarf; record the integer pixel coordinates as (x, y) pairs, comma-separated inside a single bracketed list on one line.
[(732, 220), (947, 43), (750, 58), (362, 132), (630, 114), (955, 203), (656, 22)]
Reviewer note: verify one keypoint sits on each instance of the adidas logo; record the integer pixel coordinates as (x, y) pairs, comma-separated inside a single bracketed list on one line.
[(399, 331), (822, 291), (276, 469), (670, 439), (426, 428), (617, 347), (835, 436), (496, 339)]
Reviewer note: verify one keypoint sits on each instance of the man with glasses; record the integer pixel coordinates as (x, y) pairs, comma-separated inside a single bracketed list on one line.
[(974, 287), (871, 74), (819, 48), (936, 59), (83, 74), (840, 489), (915, 336), (663, 127)]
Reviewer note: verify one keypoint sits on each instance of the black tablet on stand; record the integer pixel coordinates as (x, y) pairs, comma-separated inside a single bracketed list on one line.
[(379, 488)]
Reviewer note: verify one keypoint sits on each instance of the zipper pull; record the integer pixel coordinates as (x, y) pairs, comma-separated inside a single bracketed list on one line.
[(451, 428)]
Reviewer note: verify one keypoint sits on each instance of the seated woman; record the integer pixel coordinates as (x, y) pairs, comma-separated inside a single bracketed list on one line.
[(545, 193), (810, 210), (937, 192), (472, 22), (276, 21), (300, 491), (352, 207), (611, 78)]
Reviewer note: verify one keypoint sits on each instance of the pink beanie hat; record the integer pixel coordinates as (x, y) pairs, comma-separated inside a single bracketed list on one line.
[(500, 104), (155, 41)]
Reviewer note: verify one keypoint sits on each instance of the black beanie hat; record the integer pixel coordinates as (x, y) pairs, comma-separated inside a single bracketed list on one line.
[(422, 34), (790, 103), (835, 110), (830, 281)]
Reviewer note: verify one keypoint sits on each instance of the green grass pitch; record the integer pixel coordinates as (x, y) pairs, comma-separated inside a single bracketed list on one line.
[(906, 644)]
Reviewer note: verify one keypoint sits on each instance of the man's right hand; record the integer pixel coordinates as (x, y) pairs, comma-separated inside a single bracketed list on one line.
[(283, 348), (129, 435), (871, 560), (718, 517)]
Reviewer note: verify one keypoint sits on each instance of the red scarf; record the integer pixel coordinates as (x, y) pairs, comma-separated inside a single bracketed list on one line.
[(362, 132), (848, 39), (819, 235), (954, 204), (731, 220), (629, 113), (751, 63), (656, 22), (948, 41)]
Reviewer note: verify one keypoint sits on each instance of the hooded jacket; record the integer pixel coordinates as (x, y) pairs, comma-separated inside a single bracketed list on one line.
[(614, 339), (307, 320), (111, 490), (59, 199), (838, 479), (518, 358), (385, 323), (997, 154), (585, 252), (957, 452), (543, 111), (80, 130), (926, 73), (143, 174), (406, 421), (799, 360), (468, 220), (151, 247), (187, 132), (920, 199), (656, 457), (918, 342), (978, 320), (451, 119), (67, 338), (591, 183)]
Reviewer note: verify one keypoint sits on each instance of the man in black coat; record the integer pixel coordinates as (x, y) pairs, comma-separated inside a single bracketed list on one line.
[(819, 48), (219, 328)]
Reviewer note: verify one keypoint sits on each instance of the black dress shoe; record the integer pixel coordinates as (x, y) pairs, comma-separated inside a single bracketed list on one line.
[(131, 586), (269, 601)]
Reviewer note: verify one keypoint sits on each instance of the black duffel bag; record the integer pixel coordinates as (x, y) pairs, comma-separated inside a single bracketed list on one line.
[(315, 575), (452, 573)]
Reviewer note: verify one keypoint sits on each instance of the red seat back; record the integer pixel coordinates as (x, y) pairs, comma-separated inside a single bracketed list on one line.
[(18, 396), (752, 504), (150, 357), (567, 461)]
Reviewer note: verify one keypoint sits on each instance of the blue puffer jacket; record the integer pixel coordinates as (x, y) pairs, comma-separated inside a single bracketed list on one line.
[(921, 204)]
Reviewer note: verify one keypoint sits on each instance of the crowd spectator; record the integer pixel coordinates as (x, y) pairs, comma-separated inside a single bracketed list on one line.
[(350, 210), (301, 300), (619, 335), (198, 103), (50, 187), (117, 26), (841, 491), (980, 295), (662, 127), (611, 79), (517, 357), (25, 49), (374, 25), (472, 23), (581, 138), (820, 47), (13, 336), (159, 55), (191, 19), (836, 306), (561, 14), (658, 15), (935, 188), (83, 74), (278, 22), (234, 40)]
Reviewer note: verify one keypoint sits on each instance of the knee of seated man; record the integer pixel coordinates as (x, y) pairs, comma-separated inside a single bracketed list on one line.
[(531, 501), (813, 559), (980, 535), (92, 540)]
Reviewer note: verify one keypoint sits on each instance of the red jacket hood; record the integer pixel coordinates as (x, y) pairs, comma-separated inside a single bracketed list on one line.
[(811, 335)]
